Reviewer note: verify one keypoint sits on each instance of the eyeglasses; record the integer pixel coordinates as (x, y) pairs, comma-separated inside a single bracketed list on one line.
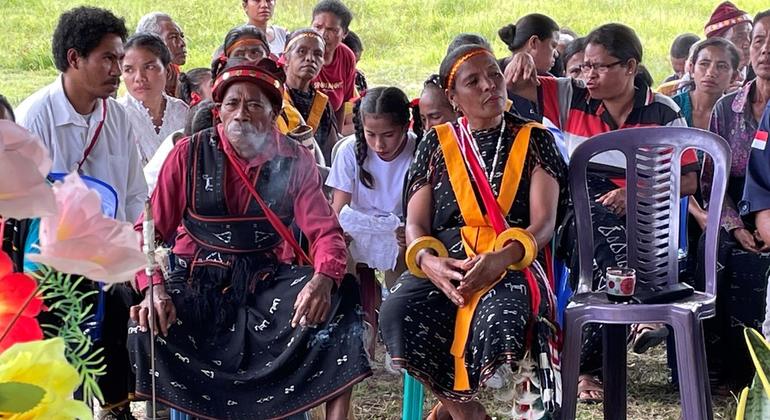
[(600, 68)]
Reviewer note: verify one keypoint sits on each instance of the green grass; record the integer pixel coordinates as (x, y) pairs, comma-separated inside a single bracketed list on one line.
[(405, 40)]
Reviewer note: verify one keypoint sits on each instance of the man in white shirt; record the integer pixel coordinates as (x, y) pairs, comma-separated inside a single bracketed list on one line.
[(85, 129)]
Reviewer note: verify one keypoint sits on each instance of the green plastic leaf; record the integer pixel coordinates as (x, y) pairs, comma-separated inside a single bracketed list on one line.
[(757, 405), (17, 397), (760, 354)]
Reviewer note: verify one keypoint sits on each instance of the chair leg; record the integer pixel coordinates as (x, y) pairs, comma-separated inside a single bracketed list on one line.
[(413, 399), (614, 369), (570, 368), (694, 389)]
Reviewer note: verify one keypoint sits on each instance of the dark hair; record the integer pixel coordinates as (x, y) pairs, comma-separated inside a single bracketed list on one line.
[(82, 29), (759, 16), (151, 43), (680, 48), (619, 40), (575, 47), (233, 35), (336, 8), (719, 42), (7, 105), (452, 56), (390, 101), (466, 38), (535, 24), (433, 82), (643, 78), (199, 117), (354, 43), (191, 82)]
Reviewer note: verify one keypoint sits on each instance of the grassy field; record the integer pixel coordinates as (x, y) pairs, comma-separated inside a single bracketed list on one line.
[(404, 40)]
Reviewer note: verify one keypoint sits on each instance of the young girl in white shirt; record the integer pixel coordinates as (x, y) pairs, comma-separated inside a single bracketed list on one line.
[(368, 175)]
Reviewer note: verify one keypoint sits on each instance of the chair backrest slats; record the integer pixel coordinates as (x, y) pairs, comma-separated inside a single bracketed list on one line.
[(653, 177)]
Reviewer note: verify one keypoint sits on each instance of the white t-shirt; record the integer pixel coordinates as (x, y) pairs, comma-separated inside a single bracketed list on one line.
[(386, 196), (278, 42)]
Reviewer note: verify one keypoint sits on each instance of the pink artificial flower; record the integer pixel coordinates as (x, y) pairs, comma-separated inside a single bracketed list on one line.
[(80, 240), (24, 164)]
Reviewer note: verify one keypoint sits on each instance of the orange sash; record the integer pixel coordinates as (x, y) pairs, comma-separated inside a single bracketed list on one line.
[(317, 108), (478, 235)]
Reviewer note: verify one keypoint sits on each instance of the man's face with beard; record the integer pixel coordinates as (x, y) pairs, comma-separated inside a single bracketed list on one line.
[(247, 116)]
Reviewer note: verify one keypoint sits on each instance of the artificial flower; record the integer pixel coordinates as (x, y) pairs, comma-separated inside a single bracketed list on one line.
[(42, 363), (15, 289), (80, 240), (24, 164)]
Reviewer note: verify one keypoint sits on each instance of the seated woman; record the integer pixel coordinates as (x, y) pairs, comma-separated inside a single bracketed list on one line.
[(153, 114), (194, 86), (614, 96), (245, 334), (303, 59), (538, 36), (474, 286), (432, 107)]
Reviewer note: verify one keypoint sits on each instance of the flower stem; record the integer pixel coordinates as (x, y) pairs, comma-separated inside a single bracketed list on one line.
[(24, 306)]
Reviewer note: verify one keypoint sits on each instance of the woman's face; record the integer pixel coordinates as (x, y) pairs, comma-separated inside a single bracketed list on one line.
[(712, 71), (383, 135), (330, 27), (205, 88), (259, 11), (144, 74), (306, 58), (479, 89), (544, 52), (609, 76), (435, 108), (252, 51), (573, 66)]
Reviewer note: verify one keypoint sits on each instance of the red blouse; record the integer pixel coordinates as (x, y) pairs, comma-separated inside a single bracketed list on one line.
[(312, 211)]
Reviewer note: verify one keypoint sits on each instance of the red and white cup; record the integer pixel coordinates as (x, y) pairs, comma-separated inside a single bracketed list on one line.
[(621, 283)]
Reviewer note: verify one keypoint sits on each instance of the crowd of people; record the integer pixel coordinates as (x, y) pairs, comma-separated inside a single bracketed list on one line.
[(310, 215)]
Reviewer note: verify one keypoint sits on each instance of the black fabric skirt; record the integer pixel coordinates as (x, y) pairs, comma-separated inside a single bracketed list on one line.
[(417, 324), (252, 365), (609, 231)]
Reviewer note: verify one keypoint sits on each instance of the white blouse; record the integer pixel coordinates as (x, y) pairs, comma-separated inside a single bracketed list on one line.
[(148, 140)]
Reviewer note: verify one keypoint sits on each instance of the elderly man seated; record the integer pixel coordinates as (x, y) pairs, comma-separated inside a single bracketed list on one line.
[(163, 26), (242, 332)]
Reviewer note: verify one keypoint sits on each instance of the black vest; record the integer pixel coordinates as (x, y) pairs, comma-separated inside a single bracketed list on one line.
[(207, 218)]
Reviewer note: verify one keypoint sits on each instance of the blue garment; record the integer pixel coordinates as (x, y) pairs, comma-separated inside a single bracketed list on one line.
[(31, 246), (685, 105), (756, 191)]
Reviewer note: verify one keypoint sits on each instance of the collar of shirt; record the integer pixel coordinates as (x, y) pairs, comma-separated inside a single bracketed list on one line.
[(642, 98), (64, 112), (267, 153)]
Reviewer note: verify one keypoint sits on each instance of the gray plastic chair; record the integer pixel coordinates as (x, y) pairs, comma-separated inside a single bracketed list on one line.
[(652, 218)]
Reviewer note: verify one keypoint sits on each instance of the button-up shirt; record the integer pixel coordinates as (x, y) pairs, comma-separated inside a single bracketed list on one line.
[(114, 158)]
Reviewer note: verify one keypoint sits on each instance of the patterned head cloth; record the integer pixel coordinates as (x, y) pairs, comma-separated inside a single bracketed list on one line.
[(266, 74), (725, 16)]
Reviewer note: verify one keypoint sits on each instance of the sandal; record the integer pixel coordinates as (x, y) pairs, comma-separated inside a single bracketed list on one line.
[(590, 389), (647, 336)]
